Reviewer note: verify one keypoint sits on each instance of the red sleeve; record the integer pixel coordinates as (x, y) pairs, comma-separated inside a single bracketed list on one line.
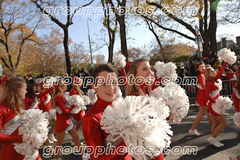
[(208, 90), (201, 81), (7, 138), (44, 92), (60, 103), (221, 70), (94, 138), (10, 139)]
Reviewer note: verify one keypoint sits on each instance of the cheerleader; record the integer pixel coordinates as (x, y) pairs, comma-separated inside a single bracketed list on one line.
[(236, 102), (212, 93), (31, 100), (201, 99), (93, 134), (63, 123), (75, 90), (45, 103), (12, 95), (140, 71)]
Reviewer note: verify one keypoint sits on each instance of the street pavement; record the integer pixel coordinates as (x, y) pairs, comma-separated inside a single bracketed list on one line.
[(188, 147)]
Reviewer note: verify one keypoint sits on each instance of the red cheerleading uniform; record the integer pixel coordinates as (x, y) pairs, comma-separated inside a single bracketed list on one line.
[(80, 114), (236, 98), (213, 90), (95, 137), (34, 104), (201, 98), (63, 119), (45, 102), (9, 123)]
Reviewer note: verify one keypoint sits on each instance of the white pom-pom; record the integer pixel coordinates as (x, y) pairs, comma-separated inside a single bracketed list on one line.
[(222, 104), (227, 55), (119, 60), (34, 130), (139, 121), (86, 99), (166, 70), (177, 100), (119, 93), (236, 119), (78, 102), (92, 96)]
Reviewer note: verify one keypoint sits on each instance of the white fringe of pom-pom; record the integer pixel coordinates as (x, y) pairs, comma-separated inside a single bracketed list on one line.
[(222, 104), (139, 121), (166, 70), (78, 102), (236, 119), (34, 130), (119, 92), (86, 99), (92, 96), (177, 100), (227, 55), (119, 60)]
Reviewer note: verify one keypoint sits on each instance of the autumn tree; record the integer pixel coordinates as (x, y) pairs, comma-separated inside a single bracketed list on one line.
[(46, 6), (46, 56), (16, 30), (79, 56), (170, 52)]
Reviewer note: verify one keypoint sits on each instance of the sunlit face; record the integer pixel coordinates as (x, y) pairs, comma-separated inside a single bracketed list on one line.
[(22, 91), (201, 68), (144, 71), (212, 73), (107, 86)]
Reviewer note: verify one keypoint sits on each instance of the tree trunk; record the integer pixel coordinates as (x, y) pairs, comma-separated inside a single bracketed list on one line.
[(66, 49), (123, 36), (213, 29)]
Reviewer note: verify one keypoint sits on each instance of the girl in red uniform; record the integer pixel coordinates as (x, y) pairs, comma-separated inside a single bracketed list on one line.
[(212, 93), (45, 103), (63, 123), (236, 102), (201, 99), (31, 100), (141, 70), (75, 90), (12, 95), (93, 134)]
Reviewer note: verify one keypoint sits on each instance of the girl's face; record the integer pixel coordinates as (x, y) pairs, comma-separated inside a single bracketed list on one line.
[(144, 71), (212, 73), (22, 91), (201, 68), (64, 88), (107, 86)]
